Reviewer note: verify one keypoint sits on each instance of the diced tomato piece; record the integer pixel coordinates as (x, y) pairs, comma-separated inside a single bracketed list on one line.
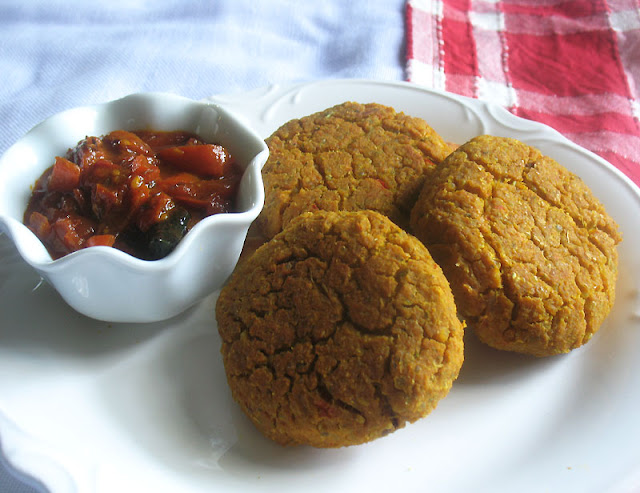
[(65, 176), (88, 152), (155, 209), (102, 171), (100, 240), (177, 180), (201, 194), (104, 200), (72, 232), (39, 225), (139, 192), (127, 142), (144, 166), (206, 160)]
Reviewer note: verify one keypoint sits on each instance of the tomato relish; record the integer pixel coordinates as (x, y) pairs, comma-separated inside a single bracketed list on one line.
[(137, 191)]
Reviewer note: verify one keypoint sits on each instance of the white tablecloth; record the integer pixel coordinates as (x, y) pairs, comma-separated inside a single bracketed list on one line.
[(59, 54)]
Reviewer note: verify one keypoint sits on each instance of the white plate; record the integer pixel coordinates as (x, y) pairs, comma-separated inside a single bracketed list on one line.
[(88, 406)]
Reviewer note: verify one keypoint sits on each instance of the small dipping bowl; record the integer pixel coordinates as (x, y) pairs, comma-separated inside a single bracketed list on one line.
[(103, 282)]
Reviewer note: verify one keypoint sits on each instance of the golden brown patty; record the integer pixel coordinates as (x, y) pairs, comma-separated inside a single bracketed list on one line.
[(338, 331), (529, 252), (348, 157)]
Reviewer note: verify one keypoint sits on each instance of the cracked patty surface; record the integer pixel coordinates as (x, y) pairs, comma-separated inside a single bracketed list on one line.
[(348, 157), (339, 330), (529, 251)]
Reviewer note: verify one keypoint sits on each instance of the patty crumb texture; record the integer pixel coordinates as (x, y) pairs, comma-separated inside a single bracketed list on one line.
[(349, 157), (338, 331), (529, 252)]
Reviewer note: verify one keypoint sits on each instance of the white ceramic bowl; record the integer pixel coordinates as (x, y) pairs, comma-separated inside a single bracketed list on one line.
[(105, 283)]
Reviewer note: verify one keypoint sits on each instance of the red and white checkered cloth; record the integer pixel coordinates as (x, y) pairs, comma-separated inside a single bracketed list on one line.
[(571, 64)]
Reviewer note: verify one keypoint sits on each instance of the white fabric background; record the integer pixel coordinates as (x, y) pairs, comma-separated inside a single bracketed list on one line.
[(55, 55)]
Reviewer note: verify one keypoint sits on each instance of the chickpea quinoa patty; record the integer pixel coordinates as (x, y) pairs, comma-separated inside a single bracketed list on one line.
[(338, 331), (529, 251), (348, 157)]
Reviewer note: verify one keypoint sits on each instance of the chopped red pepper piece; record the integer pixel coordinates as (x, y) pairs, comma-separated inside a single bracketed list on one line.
[(100, 240), (144, 166), (155, 210), (39, 224), (72, 232), (105, 200), (200, 194), (128, 142), (205, 160), (65, 176)]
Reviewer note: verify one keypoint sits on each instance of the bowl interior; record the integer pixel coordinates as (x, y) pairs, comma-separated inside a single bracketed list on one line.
[(25, 161)]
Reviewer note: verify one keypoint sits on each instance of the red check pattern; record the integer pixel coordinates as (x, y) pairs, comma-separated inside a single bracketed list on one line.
[(571, 64)]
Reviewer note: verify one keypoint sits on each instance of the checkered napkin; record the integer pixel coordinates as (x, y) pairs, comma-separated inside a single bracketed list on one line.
[(571, 64)]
